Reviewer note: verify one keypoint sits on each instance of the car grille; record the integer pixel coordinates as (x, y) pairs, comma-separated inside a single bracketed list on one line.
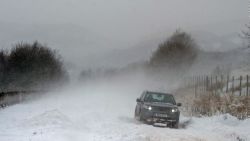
[(162, 109)]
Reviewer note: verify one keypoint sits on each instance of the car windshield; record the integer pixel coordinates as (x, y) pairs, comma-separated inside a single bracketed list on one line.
[(158, 97)]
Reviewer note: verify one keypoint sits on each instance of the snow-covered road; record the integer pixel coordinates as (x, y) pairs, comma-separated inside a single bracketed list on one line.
[(105, 113)]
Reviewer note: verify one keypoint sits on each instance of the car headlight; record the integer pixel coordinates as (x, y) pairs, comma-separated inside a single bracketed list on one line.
[(147, 107), (174, 110)]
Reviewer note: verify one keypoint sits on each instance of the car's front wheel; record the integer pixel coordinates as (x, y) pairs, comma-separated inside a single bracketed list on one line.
[(138, 116), (135, 115), (175, 125)]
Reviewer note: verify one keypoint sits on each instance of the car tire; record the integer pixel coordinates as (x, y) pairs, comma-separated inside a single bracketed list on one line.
[(135, 115), (140, 117), (175, 125)]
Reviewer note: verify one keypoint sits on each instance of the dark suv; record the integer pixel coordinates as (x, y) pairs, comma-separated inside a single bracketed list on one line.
[(157, 109)]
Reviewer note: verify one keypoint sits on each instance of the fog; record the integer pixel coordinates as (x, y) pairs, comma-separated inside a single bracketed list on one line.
[(94, 33), (120, 35), (101, 110)]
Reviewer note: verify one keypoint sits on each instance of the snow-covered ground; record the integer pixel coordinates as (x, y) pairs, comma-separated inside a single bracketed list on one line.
[(104, 112)]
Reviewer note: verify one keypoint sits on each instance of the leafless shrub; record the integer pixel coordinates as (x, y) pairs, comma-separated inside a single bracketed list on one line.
[(210, 104)]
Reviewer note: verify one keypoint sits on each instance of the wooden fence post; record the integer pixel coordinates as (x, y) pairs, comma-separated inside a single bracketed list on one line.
[(203, 84), (198, 84), (211, 83), (227, 83), (222, 82), (247, 86), (232, 85), (195, 87), (192, 81), (240, 84), (216, 84), (207, 81)]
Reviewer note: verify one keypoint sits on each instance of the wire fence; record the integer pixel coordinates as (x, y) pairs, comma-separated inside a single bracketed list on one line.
[(221, 93), (238, 86)]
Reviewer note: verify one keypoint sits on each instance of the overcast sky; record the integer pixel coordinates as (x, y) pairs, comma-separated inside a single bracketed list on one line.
[(130, 18), (129, 21)]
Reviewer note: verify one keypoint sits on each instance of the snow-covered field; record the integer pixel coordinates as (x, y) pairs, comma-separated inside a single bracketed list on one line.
[(104, 112)]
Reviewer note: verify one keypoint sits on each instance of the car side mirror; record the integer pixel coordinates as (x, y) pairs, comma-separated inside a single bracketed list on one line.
[(138, 100), (179, 104)]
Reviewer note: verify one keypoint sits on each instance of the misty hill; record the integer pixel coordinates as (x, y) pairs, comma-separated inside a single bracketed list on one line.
[(87, 49), (212, 44)]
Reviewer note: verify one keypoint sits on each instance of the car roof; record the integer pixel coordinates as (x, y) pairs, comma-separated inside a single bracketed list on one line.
[(158, 92)]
